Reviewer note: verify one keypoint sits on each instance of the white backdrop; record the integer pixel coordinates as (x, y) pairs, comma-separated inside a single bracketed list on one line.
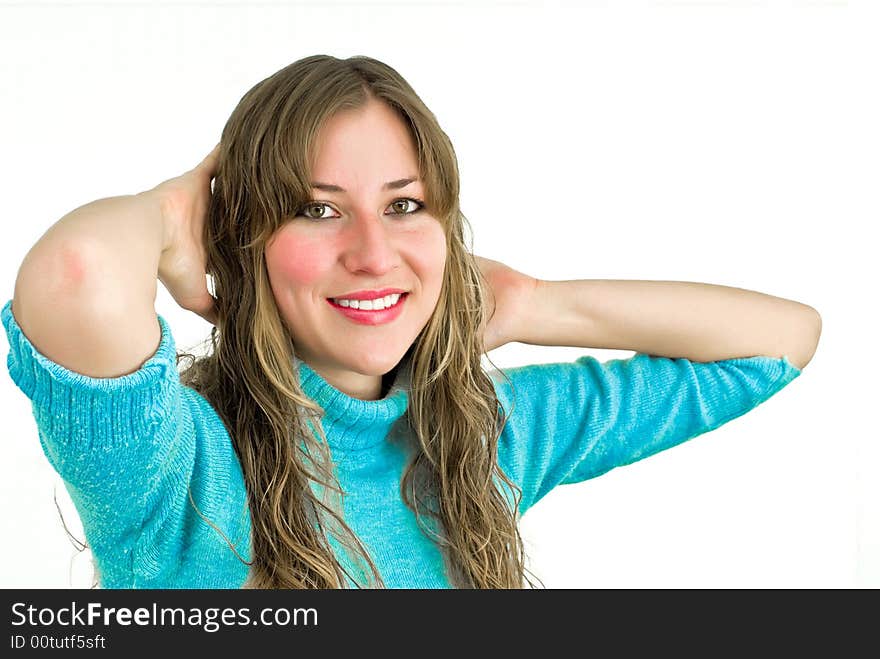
[(725, 142)]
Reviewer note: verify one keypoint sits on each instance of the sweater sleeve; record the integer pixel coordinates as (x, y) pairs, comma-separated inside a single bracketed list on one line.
[(570, 422), (137, 454)]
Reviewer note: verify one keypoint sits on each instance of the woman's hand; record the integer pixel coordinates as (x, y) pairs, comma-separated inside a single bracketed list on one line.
[(510, 295), (185, 200)]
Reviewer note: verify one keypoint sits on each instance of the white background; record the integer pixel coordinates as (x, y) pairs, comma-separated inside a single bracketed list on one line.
[(724, 142)]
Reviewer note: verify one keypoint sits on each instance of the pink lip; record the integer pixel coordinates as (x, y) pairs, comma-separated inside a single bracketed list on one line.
[(369, 317), (369, 295)]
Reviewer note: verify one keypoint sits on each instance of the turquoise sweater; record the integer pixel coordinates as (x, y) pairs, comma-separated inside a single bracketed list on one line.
[(127, 448)]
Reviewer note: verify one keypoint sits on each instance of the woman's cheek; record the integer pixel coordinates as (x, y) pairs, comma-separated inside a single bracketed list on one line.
[(431, 247), (295, 260)]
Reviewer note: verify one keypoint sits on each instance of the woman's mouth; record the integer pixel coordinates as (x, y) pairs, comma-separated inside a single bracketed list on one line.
[(364, 313)]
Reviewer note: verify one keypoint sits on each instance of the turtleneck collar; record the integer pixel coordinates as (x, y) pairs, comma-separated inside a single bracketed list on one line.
[(352, 424)]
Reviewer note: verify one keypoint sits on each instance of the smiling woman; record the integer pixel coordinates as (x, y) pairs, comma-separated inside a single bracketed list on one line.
[(341, 430)]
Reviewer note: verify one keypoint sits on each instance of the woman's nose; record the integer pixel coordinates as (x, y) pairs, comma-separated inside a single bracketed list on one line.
[(368, 244)]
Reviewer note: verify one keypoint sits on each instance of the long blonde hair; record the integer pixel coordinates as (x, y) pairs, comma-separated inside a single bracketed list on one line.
[(248, 375)]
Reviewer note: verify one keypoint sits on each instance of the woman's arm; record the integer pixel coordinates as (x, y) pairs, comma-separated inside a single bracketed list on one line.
[(85, 292), (696, 321)]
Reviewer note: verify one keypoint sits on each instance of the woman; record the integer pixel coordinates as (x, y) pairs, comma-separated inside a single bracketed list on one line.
[(341, 431)]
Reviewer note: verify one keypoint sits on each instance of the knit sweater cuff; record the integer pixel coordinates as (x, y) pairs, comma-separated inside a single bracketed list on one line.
[(84, 420)]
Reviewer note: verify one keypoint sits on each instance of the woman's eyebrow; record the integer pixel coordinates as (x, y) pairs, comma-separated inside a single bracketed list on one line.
[(391, 185)]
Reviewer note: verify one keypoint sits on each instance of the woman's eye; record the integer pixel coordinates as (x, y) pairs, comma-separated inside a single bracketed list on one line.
[(403, 207), (418, 205), (306, 208)]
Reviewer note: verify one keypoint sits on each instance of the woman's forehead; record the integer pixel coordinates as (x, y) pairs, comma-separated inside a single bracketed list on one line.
[(369, 146)]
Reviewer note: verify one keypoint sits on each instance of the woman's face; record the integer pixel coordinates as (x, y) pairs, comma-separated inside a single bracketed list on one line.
[(363, 237)]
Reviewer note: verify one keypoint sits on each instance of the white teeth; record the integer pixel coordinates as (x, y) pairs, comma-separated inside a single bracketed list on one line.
[(371, 305)]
